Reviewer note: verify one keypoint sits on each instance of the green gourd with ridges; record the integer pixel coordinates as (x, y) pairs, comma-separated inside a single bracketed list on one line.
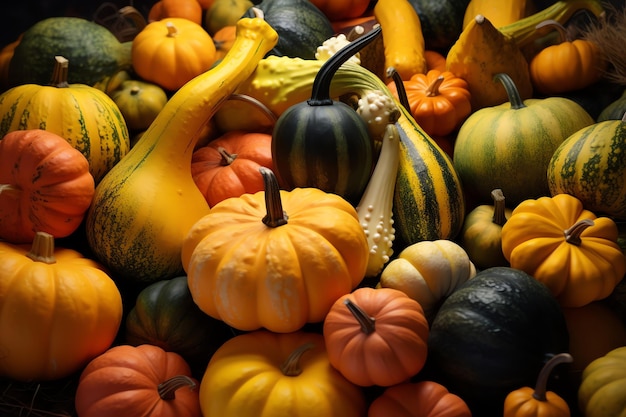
[(591, 165), (93, 50)]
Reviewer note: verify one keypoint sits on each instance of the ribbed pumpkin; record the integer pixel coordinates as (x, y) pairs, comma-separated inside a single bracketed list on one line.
[(59, 310), (275, 259), (84, 115), (590, 165), (139, 102), (601, 391), (510, 145)]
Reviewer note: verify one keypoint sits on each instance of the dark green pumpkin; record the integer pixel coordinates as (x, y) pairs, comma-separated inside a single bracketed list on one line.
[(493, 335), (324, 143), (441, 21), (165, 315), (615, 110), (300, 25), (93, 51)]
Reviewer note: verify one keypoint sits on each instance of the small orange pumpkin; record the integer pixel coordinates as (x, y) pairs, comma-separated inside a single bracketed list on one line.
[(45, 185), (229, 165), (187, 9), (376, 336), (342, 9), (223, 40), (439, 101)]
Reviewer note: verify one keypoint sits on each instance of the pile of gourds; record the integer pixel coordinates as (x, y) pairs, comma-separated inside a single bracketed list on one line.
[(309, 207)]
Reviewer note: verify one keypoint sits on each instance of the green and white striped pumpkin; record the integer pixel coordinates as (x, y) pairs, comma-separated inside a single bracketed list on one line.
[(509, 146), (85, 116), (591, 165)]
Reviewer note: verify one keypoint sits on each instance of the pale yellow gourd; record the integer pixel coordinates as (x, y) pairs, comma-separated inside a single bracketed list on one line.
[(144, 206)]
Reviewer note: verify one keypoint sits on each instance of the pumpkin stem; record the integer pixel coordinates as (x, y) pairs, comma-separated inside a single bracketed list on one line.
[(275, 215), (171, 29), (59, 72), (433, 88), (42, 249), (572, 235), (320, 95), (167, 389), (368, 323), (355, 33), (511, 90), (559, 28), (227, 158), (257, 103), (397, 80), (542, 380), (9, 189), (291, 367), (499, 207)]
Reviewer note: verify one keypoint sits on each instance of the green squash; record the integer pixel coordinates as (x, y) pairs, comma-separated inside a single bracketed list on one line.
[(493, 335), (615, 110), (301, 26), (509, 146), (93, 50), (165, 315), (591, 165), (441, 20)]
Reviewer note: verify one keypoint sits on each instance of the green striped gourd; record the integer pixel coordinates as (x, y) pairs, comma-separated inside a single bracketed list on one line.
[(85, 116), (591, 165), (509, 146)]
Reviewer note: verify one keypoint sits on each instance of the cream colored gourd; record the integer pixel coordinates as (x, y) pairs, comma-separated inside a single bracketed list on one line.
[(145, 205)]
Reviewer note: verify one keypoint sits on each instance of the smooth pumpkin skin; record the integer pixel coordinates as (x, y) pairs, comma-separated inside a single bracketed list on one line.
[(418, 399), (342, 9), (140, 102), (123, 382), (186, 9), (251, 275), (601, 392), (392, 353), (55, 317), (45, 185), (244, 379), (533, 240)]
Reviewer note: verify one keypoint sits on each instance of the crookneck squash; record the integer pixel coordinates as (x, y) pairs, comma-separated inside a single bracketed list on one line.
[(144, 207)]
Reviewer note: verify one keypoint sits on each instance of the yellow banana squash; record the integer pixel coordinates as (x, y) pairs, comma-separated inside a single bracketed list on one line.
[(144, 206)]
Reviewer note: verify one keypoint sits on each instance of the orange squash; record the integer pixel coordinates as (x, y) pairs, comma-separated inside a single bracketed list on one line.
[(187, 9), (342, 9), (376, 336)]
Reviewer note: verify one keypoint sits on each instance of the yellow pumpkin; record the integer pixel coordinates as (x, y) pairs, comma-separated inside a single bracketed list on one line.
[(59, 310), (603, 384), (266, 374), (573, 252), (172, 51), (275, 259)]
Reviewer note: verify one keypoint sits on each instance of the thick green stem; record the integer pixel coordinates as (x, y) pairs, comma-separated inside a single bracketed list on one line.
[(511, 90), (367, 323), (397, 80), (275, 215), (167, 389)]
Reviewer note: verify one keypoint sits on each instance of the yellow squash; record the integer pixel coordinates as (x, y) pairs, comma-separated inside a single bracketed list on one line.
[(500, 13), (145, 205)]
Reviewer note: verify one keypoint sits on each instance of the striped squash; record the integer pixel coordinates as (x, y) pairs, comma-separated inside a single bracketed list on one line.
[(591, 165), (85, 116), (428, 200), (509, 146)]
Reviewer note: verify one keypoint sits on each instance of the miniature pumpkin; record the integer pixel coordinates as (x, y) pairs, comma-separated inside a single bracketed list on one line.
[(228, 166), (341, 10), (59, 310), (186, 9), (418, 399), (45, 185), (376, 336), (439, 101), (275, 259), (140, 102), (602, 387), (428, 272), (571, 64), (267, 374), (538, 402), (134, 381), (573, 252), (172, 51), (223, 40)]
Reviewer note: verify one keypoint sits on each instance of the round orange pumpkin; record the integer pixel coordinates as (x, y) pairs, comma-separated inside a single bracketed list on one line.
[(376, 336), (342, 9), (187, 9), (45, 185)]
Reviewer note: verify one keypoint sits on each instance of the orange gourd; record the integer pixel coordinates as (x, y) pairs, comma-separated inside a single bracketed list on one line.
[(341, 9), (435, 60), (376, 336), (223, 40), (418, 399), (187, 9), (538, 402), (45, 185), (229, 165), (171, 51), (131, 381), (439, 101)]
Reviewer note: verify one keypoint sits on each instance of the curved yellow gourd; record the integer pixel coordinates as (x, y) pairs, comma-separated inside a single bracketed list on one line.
[(144, 206)]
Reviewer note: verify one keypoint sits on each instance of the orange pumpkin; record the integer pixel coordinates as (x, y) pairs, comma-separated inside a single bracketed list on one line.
[(6, 54), (172, 51), (229, 165), (129, 381), (376, 336), (187, 9), (435, 60), (341, 9), (223, 40), (45, 185), (418, 399), (439, 101)]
